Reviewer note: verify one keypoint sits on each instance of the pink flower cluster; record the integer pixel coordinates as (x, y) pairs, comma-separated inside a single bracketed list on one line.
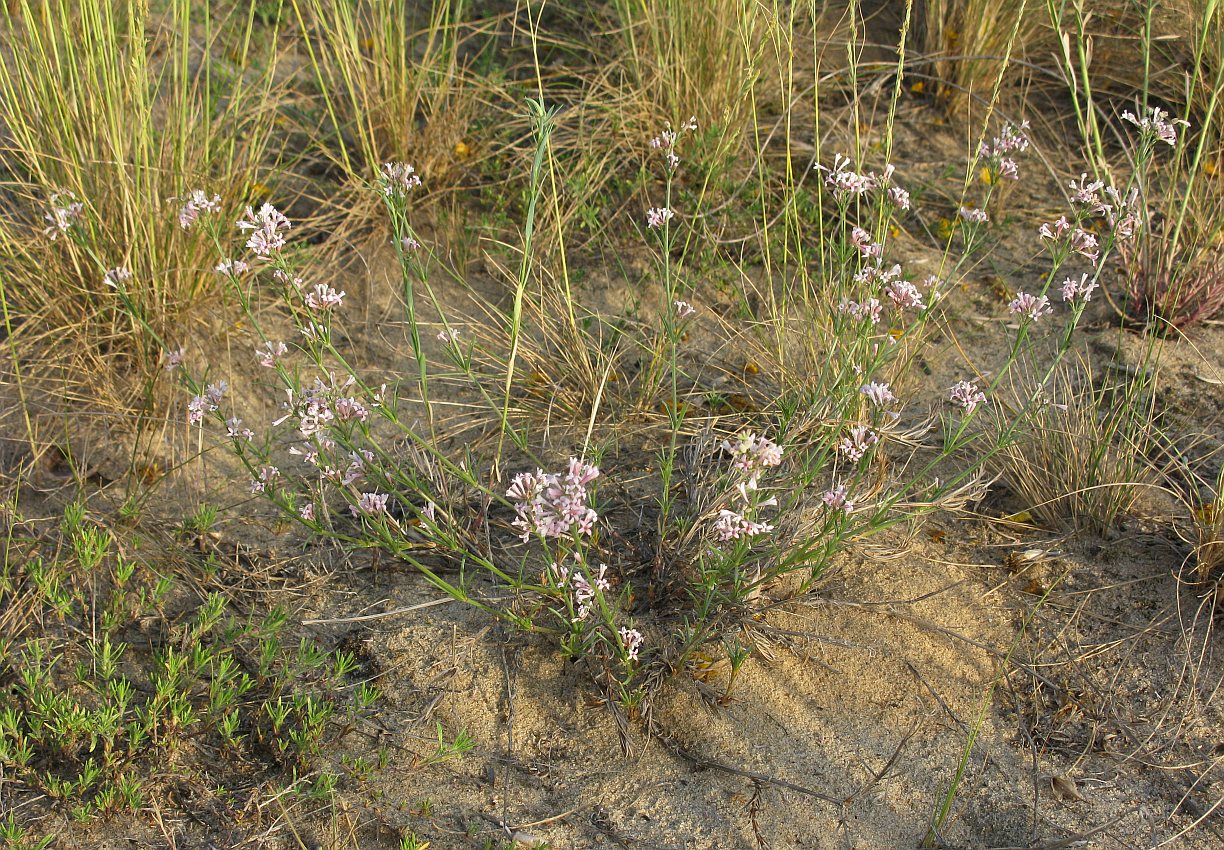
[(265, 476), (843, 182), (266, 227), (967, 395), (1081, 289), (581, 588), (657, 217), (632, 640), (1032, 307), (751, 455), (323, 297), (732, 525), (397, 179), (370, 504), (66, 211), (270, 353), (971, 215), (878, 394), (999, 152), (837, 498), (195, 203), (857, 443), (1157, 123), (208, 402), (551, 504), (117, 276)]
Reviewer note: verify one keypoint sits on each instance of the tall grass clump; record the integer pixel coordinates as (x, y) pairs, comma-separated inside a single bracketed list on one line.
[(698, 59), (111, 116), (392, 84)]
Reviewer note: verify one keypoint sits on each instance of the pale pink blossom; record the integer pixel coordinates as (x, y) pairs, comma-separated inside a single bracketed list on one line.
[(862, 240), (878, 394), (449, 336), (1085, 243), (972, 215), (631, 639), (657, 217), (65, 212), (867, 311), (899, 197), (266, 228), (904, 295), (683, 309), (235, 431), (323, 297), (171, 358), (857, 442), (116, 276), (1032, 307), (734, 526), (307, 512), (967, 395), (270, 353), (836, 498), (267, 474), (554, 505), (1078, 289), (195, 203), (231, 268), (1158, 124), (370, 504), (397, 179), (1086, 192), (1055, 230)]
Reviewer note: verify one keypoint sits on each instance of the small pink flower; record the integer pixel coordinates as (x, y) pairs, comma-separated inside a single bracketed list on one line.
[(408, 245), (398, 179), (370, 504), (1157, 123), (973, 216), (267, 474), (348, 409), (172, 358), (904, 295), (867, 311), (65, 212), (231, 268), (657, 217), (631, 639), (734, 526), (234, 430), (878, 394), (307, 512), (861, 240), (899, 197), (683, 309), (1084, 243), (1055, 230), (270, 353), (857, 442), (449, 336), (116, 276), (967, 395), (266, 225), (323, 297), (1081, 289), (196, 203), (836, 499), (1032, 307), (1086, 192)]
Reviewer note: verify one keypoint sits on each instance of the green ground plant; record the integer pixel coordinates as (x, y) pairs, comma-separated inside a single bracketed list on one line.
[(111, 669)]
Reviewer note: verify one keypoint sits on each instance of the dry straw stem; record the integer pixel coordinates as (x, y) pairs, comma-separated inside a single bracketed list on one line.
[(128, 110)]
